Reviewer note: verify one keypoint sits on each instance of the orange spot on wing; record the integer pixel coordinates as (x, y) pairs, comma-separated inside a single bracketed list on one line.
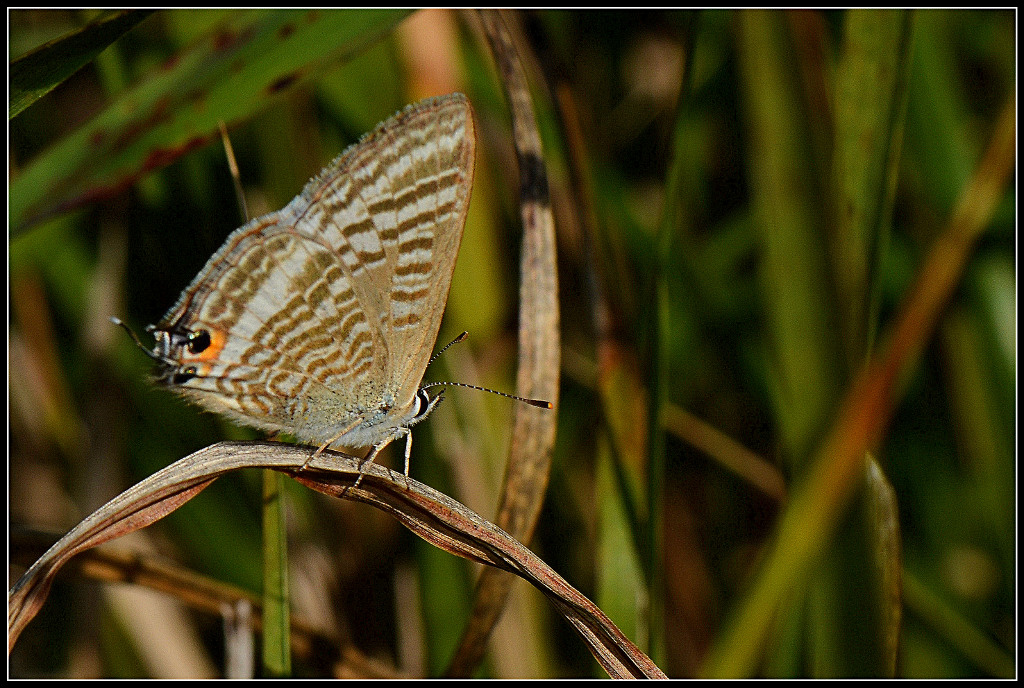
[(211, 353)]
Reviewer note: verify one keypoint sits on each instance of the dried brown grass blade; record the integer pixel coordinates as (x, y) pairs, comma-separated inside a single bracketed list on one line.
[(533, 434), (433, 516)]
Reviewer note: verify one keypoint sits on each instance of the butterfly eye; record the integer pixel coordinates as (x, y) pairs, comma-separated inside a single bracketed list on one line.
[(422, 403), (198, 342)]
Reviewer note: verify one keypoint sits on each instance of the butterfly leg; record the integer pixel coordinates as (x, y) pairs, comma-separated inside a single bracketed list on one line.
[(377, 447), (370, 457), (408, 452), (318, 452), (320, 449)]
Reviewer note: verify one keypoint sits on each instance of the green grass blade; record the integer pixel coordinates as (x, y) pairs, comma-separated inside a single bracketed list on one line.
[(784, 174), (875, 60), (40, 71), (276, 614)]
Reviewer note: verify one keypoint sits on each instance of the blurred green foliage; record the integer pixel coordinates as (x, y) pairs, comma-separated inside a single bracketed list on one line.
[(742, 199)]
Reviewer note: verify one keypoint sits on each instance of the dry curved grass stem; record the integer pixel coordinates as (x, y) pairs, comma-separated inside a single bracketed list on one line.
[(435, 517)]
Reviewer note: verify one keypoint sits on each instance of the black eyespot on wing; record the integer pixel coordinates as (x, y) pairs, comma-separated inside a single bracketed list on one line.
[(198, 342), (184, 375)]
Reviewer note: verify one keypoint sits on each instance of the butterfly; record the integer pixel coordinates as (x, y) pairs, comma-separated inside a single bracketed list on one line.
[(318, 320)]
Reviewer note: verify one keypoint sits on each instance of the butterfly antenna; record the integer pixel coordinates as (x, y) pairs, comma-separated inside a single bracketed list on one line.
[(460, 338), (138, 343), (539, 403)]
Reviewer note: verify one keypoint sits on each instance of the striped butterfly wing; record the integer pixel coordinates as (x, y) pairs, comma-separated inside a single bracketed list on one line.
[(431, 189), (320, 317)]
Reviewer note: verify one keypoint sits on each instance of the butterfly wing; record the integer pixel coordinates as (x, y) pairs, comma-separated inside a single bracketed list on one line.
[(293, 324), (272, 333), (431, 177)]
